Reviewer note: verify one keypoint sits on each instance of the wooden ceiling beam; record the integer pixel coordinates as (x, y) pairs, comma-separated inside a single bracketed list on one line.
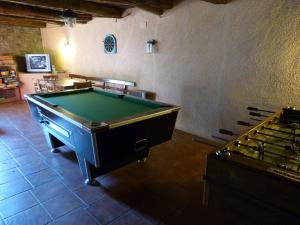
[(156, 11), (154, 6), (160, 4), (118, 3), (60, 23), (77, 5), (25, 11), (218, 1), (14, 21)]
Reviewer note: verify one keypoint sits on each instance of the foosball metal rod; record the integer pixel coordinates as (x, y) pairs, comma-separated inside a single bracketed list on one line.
[(274, 136), (220, 138), (287, 121), (243, 123), (286, 147), (227, 132), (256, 149), (257, 114), (281, 131), (254, 119)]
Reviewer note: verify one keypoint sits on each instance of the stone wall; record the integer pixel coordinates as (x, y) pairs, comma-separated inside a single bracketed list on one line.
[(17, 41), (20, 40)]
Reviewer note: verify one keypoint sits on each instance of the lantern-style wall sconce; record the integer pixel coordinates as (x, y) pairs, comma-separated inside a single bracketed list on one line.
[(151, 46), (67, 50)]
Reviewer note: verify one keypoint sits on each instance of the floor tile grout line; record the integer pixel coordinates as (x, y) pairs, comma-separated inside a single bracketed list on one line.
[(85, 204), (29, 141), (33, 145), (61, 195), (20, 171), (92, 216), (41, 204), (136, 214), (2, 171), (125, 212), (18, 213), (15, 158), (43, 161), (10, 147), (66, 212), (17, 193), (36, 151), (6, 171), (34, 195), (22, 135), (15, 127), (55, 169), (73, 210), (33, 186), (75, 194)]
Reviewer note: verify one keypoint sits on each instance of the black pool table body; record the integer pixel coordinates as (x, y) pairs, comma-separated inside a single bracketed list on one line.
[(107, 145)]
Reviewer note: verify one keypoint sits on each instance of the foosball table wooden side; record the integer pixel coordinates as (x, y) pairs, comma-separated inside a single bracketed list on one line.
[(250, 194)]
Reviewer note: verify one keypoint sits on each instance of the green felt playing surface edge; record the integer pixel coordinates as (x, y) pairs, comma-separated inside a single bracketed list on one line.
[(99, 106)]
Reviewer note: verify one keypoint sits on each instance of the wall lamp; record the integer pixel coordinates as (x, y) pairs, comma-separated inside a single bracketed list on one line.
[(151, 46)]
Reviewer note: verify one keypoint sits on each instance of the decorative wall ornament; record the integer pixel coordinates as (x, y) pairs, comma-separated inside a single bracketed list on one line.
[(110, 44)]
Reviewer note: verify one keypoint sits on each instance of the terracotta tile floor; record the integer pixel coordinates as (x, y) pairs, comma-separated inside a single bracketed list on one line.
[(39, 187)]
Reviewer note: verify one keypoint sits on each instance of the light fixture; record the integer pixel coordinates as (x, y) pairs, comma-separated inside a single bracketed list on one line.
[(67, 50), (69, 17), (150, 46)]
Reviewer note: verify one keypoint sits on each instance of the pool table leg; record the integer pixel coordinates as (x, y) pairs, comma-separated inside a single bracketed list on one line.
[(85, 168), (143, 160), (53, 142), (54, 150), (92, 182), (89, 180)]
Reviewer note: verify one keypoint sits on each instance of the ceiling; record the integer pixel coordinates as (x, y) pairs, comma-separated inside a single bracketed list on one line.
[(37, 13)]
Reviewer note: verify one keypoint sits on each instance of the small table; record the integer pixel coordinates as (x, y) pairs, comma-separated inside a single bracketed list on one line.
[(66, 83), (106, 130)]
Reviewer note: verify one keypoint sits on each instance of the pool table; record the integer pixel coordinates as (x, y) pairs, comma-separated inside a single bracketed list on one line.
[(105, 129)]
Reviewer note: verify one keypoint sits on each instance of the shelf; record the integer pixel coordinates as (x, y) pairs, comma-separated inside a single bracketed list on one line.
[(7, 100), (8, 88), (11, 93)]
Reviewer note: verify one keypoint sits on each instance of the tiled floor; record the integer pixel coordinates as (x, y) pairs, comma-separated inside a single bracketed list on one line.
[(40, 187)]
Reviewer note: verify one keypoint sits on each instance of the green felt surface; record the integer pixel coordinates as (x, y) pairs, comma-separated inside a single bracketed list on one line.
[(99, 106)]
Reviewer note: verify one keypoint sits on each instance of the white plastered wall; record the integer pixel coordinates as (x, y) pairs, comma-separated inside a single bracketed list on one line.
[(212, 60)]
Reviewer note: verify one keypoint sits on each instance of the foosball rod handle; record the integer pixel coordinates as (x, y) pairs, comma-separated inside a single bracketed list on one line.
[(227, 132), (254, 119), (257, 114), (250, 108), (243, 123), (220, 138)]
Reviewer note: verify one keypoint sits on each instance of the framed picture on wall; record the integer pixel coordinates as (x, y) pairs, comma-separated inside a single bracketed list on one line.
[(38, 63)]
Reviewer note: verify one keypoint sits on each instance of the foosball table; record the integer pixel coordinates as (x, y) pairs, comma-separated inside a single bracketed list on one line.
[(255, 177)]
